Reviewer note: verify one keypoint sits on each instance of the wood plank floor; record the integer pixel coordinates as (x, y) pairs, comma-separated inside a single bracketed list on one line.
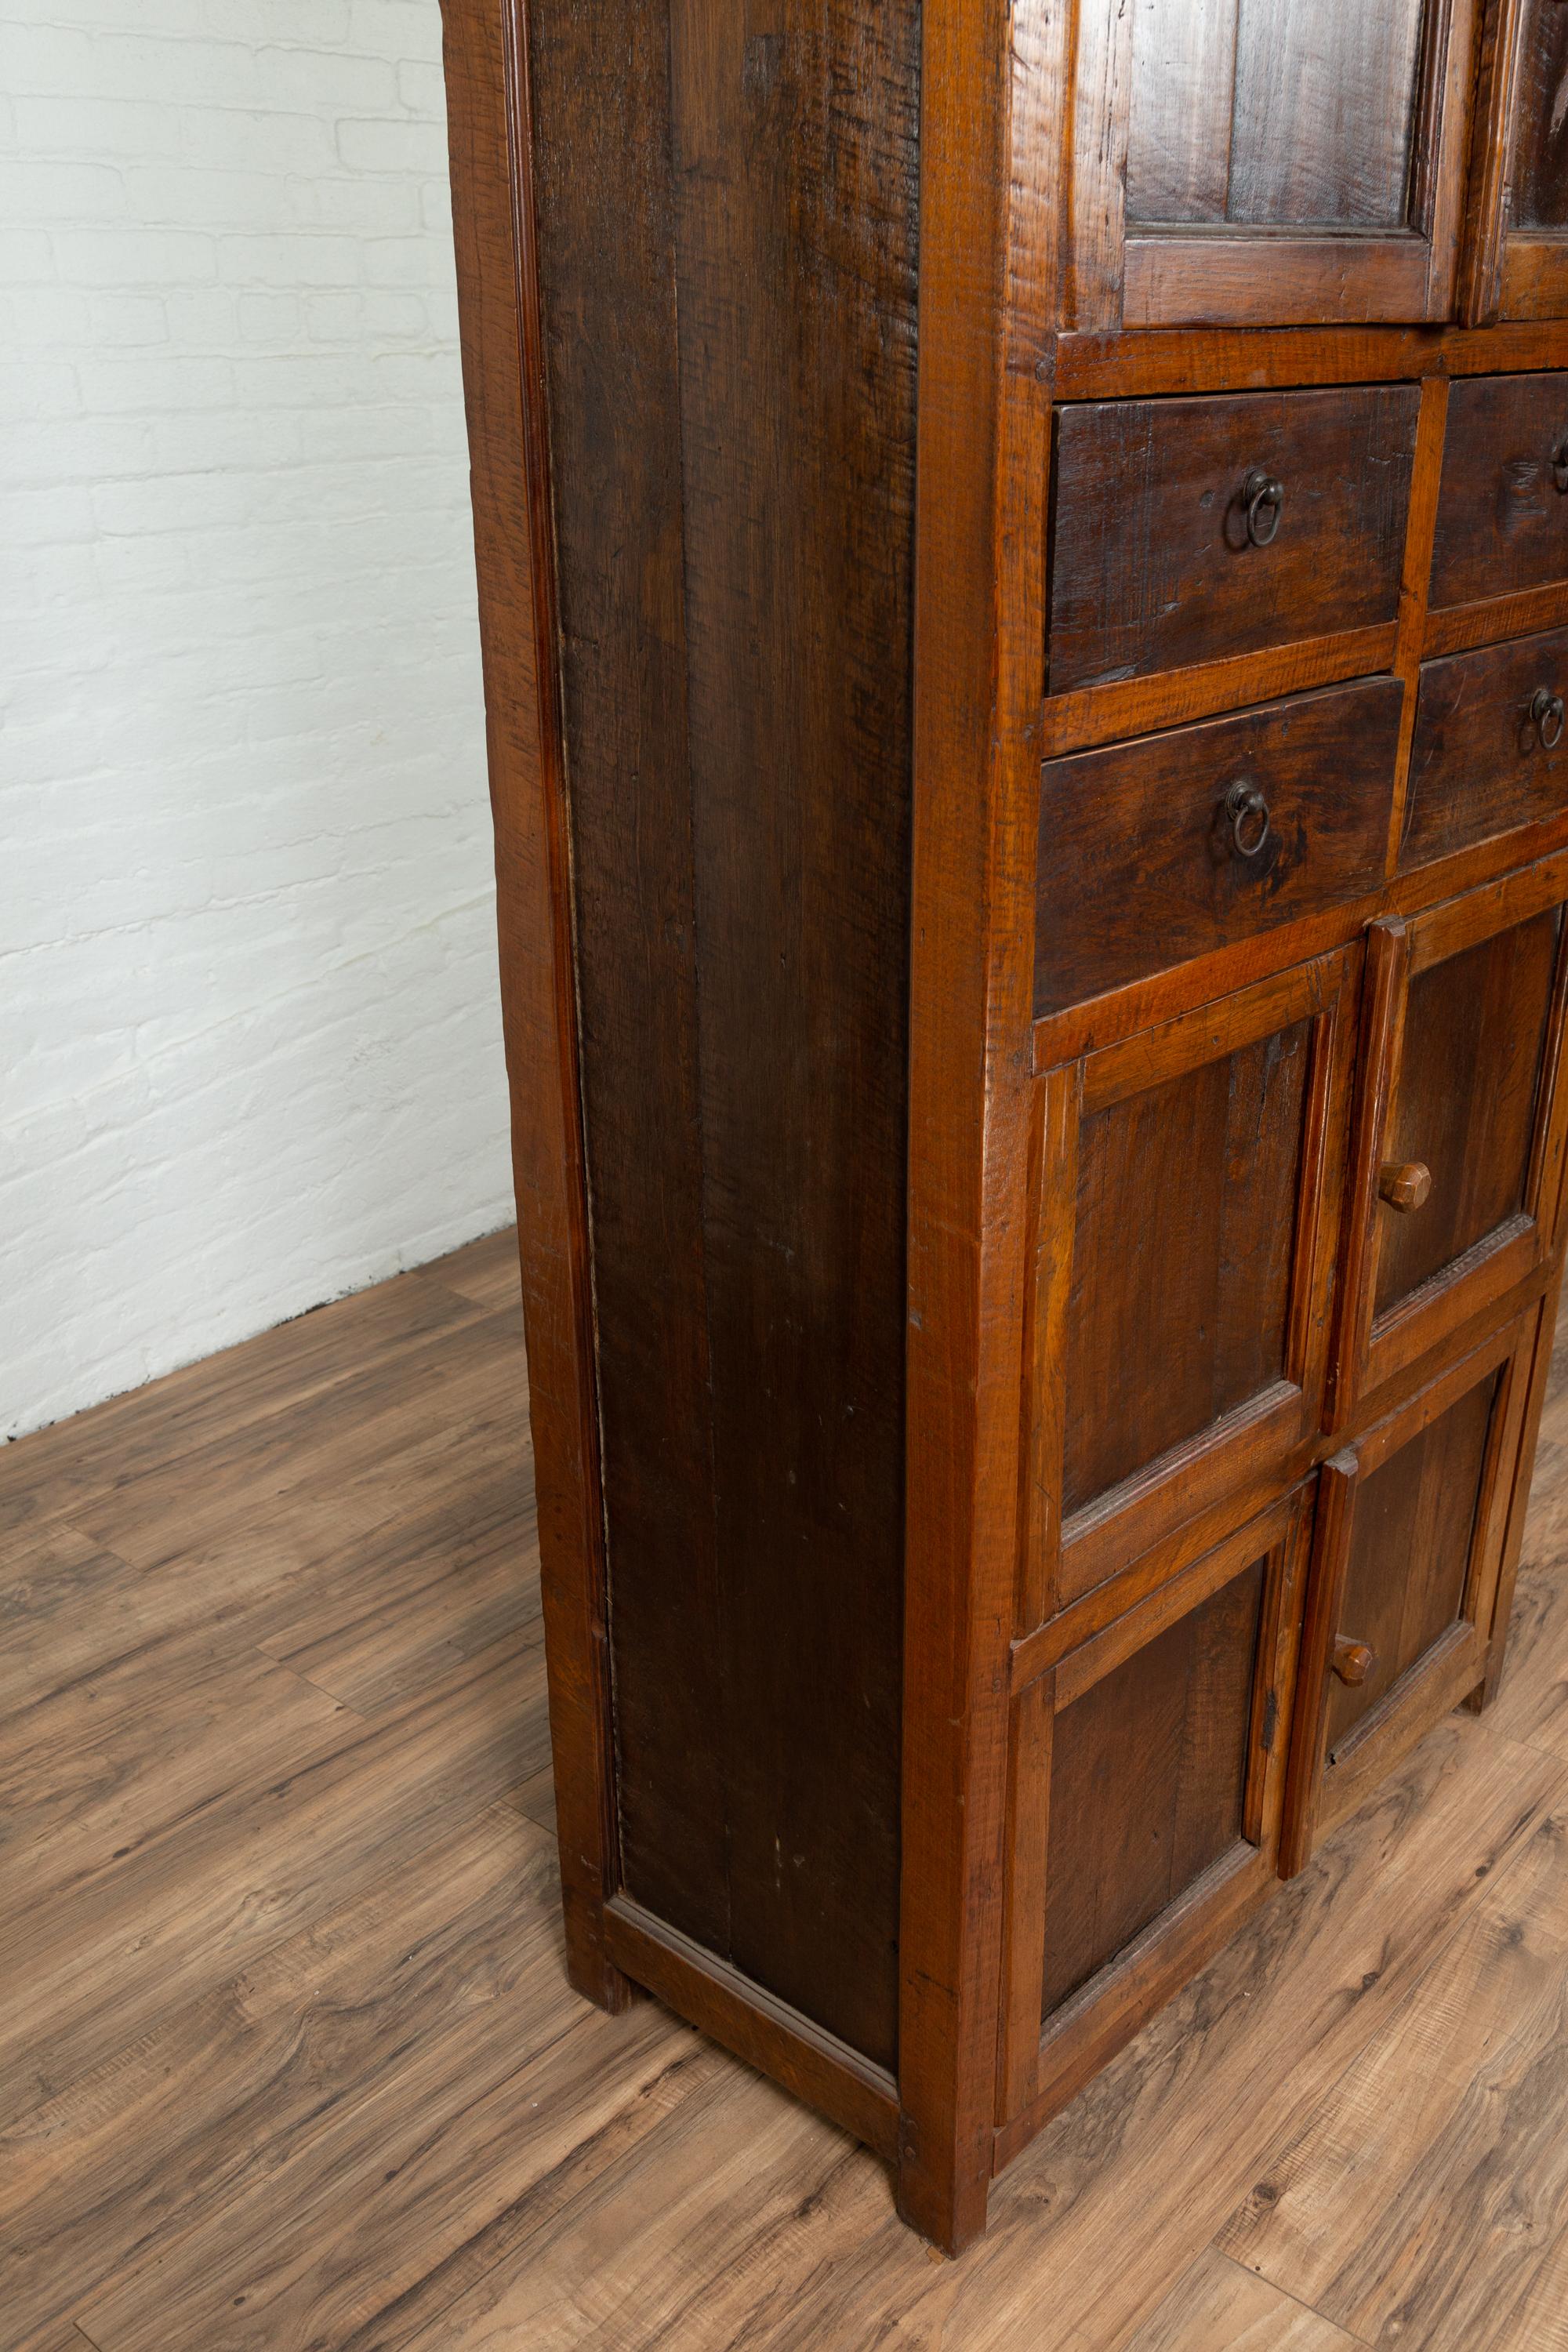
[(287, 2062)]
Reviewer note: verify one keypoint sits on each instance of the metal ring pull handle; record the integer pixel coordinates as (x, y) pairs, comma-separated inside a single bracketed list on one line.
[(1547, 713), (1249, 820), (1560, 466), (1264, 499)]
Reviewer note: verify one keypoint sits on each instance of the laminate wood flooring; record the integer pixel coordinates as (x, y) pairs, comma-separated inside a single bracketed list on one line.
[(289, 2064)]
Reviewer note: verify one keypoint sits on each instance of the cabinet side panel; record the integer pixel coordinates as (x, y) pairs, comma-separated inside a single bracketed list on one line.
[(604, 202), (499, 320), (727, 256)]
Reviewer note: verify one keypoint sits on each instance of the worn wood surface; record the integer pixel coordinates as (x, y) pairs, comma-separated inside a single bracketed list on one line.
[(1140, 865), (725, 223), (1479, 763), (1178, 578), (1270, 115), (290, 2055)]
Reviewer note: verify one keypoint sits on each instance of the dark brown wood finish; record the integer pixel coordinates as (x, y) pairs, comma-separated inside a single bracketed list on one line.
[(1265, 195), (1412, 1525), (1172, 847), (1180, 1318), (955, 885), (1502, 522), (1489, 753), (1148, 1804), (1519, 265), (990, 88), (1189, 530), (745, 1120), (488, 94), (1541, 139)]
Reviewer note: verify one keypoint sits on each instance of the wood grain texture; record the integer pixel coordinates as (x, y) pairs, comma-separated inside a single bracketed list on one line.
[(1324, 113), (1502, 521), (1148, 1783), (1479, 764), (1412, 1525), (726, 236), (1465, 1101), (1541, 137), (1139, 866), (353, 2101), (1154, 1189), (487, 115), (1179, 580), (1218, 2306), (994, 97)]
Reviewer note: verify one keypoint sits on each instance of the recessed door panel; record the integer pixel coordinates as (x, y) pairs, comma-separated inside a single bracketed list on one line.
[(1149, 1782), (1188, 1185), (1186, 1225), (1267, 162), (1457, 1161), (1411, 1538), (1541, 151), (1475, 1030), (1411, 1527), (1272, 113), (1146, 1796)]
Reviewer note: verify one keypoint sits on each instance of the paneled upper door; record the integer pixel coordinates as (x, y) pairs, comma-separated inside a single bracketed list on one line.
[(1518, 266), (1188, 1183), (1459, 1133), (1269, 162)]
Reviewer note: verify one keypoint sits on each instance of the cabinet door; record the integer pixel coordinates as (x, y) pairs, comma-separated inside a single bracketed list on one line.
[(1147, 1795), (1188, 1185), (1267, 161), (1518, 265), (1410, 1526), (1458, 1148)]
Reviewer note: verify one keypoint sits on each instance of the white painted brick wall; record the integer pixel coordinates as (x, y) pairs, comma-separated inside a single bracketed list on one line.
[(252, 1054)]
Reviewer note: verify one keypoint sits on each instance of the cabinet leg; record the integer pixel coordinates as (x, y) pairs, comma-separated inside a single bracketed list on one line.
[(944, 2201), (589, 1968)]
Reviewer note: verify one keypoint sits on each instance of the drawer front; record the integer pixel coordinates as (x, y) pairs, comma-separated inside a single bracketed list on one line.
[(1491, 751), (1153, 563), (1149, 854), (1502, 512)]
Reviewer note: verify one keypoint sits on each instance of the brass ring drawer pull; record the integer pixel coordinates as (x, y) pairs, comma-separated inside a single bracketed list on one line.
[(1249, 819), (1405, 1184), (1264, 498), (1546, 711)]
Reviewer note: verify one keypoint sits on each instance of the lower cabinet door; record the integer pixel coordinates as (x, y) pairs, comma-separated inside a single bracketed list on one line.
[(1410, 1529), (1145, 1803)]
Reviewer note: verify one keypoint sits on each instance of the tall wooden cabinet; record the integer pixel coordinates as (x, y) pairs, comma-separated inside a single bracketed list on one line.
[(1024, 570)]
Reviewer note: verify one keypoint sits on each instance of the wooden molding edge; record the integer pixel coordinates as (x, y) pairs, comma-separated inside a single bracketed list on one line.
[(770, 2035)]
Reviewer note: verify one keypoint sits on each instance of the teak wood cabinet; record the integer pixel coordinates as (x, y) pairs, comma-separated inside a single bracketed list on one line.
[(1023, 567)]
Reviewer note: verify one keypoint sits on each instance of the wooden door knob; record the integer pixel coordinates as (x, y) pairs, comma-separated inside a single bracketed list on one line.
[(1353, 1662), (1405, 1184)]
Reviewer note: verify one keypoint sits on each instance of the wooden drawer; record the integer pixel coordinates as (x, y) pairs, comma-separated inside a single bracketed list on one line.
[(1143, 860), (1411, 1527), (1488, 754), (1502, 512), (1154, 565)]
